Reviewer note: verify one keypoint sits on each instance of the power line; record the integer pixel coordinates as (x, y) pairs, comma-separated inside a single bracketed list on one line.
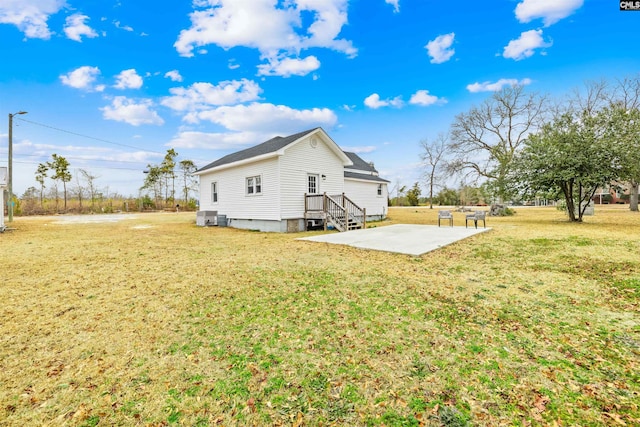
[(92, 167), (86, 136)]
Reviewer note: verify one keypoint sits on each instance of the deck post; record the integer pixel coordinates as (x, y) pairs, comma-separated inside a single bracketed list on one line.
[(364, 218), (324, 210)]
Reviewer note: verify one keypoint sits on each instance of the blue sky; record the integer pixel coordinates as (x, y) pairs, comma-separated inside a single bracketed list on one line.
[(112, 84)]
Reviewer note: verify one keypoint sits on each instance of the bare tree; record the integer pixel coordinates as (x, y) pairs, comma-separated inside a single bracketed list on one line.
[(624, 109), (485, 139), (90, 179), (432, 155)]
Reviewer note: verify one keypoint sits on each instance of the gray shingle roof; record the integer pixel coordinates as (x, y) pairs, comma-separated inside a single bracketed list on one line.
[(270, 146), (359, 163), (364, 176)]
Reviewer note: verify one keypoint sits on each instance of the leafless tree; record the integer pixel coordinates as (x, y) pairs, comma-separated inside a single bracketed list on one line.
[(432, 155), (485, 139)]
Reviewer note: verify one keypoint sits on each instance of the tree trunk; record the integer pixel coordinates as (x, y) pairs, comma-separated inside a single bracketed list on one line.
[(633, 199), (431, 192), (567, 189)]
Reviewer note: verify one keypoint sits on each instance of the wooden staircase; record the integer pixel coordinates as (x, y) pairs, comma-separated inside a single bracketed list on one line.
[(338, 211)]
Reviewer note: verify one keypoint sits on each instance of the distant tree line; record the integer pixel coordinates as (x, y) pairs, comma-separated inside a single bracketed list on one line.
[(59, 191)]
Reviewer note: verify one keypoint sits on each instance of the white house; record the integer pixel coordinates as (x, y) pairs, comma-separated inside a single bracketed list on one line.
[(292, 183)]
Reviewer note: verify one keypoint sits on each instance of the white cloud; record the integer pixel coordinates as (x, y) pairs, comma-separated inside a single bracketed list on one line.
[(496, 86), (265, 118), (422, 97), (128, 79), (395, 4), (174, 75), (83, 78), (75, 27), (136, 113), (439, 49), (374, 101), (525, 46), (203, 95), (214, 141), (264, 25), (119, 25), (30, 16), (288, 67), (551, 11)]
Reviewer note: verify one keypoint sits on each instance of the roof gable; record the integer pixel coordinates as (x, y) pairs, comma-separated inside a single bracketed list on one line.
[(270, 148)]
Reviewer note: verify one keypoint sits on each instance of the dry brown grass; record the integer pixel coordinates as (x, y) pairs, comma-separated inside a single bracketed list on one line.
[(153, 321)]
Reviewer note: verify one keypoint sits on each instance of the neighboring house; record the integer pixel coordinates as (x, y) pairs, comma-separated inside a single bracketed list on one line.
[(291, 183), (614, 193)]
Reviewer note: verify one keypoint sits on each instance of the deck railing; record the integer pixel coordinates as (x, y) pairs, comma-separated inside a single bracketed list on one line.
[(339, 210)]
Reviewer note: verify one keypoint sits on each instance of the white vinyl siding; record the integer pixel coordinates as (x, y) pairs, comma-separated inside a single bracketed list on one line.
[(298, 162), (365, 194), (233, 200)]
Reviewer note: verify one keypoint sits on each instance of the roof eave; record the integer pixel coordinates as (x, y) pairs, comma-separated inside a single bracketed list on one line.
[(240, 162)]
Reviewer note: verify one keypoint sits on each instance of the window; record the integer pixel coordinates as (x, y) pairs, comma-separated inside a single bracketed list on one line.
[(379, 189), (312, 184), (254, 185), (214, 192)]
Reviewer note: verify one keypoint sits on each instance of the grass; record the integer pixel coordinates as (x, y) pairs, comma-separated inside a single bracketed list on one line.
[(153, 321)]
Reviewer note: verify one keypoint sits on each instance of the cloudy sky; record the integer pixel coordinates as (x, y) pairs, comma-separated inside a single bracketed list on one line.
[(112, 84)]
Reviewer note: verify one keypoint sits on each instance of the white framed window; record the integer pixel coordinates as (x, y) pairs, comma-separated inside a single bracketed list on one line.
[(254, 185), (312, 184), (379, 189), (214, 192)]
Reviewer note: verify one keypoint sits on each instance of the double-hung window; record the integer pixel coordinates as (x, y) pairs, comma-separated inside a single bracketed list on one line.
[(254, 185), (214, 192), (379, 189)]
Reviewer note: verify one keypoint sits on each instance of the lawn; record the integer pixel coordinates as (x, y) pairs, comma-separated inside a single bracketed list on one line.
[(153, 321)]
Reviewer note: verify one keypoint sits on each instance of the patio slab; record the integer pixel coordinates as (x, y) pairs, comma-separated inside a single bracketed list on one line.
[(406, 239)]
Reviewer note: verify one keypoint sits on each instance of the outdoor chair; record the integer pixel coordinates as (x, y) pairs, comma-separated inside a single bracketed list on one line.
[(475, 217), (445, 214)]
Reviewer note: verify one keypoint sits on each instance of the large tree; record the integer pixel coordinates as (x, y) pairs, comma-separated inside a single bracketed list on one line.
[(485, 139), (168, 167), (41, 176), (60, 167), (433, 155), (187, 167), (569, 157)]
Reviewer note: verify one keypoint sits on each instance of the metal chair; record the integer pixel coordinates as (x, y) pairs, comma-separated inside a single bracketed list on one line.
[(475, 217), (445, 214)]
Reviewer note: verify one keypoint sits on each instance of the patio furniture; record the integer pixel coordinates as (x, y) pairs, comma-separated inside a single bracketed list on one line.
[(447, 215), (475, 217)]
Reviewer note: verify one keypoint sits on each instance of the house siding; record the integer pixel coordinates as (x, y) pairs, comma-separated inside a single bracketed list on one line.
[(365, 195), (232, 198), (300, 160)]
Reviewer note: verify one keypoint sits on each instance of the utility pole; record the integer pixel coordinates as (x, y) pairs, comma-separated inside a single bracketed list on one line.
[(10, 164)]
